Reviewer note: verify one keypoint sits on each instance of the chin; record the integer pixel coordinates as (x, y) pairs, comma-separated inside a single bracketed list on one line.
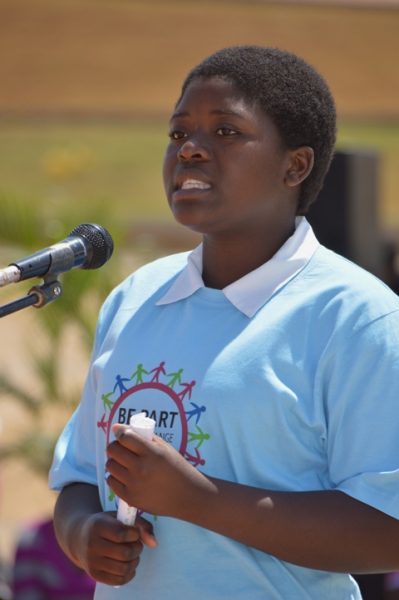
[(194, 227), (188, 219)]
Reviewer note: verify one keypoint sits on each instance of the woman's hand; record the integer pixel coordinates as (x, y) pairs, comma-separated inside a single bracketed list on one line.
[(95, 540), (152, 475), (110, 551)]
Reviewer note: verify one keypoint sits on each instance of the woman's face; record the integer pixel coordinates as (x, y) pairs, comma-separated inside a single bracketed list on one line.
[(225, 168)]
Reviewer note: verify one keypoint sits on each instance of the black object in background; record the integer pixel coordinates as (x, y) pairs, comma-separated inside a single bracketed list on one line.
[(345, 215)]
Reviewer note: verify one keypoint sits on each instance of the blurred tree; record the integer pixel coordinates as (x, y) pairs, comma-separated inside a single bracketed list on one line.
[(83, 293)]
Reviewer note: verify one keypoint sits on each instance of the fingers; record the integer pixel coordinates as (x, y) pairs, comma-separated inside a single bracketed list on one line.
[(126, 457), (113, 549), (146, 532), (117, 487), (118, 470), (117, 532), (118, 474), (129, 447), (138, 444), (122, 467), (119, 553), (127, 437), (142, 530), (113, 572), (124, 450), (121, 534)]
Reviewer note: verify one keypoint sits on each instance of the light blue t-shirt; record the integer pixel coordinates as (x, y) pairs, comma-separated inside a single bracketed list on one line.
[(303, 396)]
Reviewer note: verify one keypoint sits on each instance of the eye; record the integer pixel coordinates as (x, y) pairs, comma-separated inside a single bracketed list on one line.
[(226, 131), (176, 134)]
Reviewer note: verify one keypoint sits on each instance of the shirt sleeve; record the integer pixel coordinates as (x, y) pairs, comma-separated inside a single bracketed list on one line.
[(75, 452), (361, 391), (75, 455)]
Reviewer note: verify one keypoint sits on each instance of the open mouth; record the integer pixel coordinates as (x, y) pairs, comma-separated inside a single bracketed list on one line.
[(194, 184)]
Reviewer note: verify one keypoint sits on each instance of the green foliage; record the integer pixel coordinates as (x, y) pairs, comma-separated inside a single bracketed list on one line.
[(35, 448), (29, 402), (19, 223), (76, 308), (82, 170)]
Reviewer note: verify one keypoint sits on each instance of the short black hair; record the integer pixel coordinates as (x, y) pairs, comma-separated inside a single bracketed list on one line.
[(291, 92)]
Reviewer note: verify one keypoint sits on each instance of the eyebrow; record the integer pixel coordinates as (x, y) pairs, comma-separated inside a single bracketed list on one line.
[(216, 112)]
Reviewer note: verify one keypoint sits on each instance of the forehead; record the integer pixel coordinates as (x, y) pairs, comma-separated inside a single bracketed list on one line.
[(218, 95)]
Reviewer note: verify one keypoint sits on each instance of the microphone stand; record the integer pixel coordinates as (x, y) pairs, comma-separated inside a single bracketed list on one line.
[(38, 296)]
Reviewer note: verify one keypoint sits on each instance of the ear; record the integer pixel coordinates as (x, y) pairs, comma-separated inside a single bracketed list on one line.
[(301, 163)]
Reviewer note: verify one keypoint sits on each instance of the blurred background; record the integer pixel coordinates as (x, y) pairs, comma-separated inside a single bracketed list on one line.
[(86, 90)]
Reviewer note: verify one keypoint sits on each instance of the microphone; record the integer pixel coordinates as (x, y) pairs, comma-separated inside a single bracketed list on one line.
[(88, 246)]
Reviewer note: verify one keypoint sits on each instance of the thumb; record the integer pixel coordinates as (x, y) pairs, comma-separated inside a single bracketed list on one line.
[(118, 429), (146, 531)]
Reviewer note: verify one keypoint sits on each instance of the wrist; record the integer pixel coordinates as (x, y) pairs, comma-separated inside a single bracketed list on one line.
[(75, 535), (197, 499)]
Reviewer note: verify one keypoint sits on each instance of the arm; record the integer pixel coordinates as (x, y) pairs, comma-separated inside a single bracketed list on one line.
[(326, 530), (94, 540)]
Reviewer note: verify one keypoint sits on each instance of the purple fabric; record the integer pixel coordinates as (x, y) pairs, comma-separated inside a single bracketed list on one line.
[(392, 581), (43, 572)]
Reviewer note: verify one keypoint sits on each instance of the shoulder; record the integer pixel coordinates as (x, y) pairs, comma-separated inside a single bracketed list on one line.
[(345, 289), (150, 280), (334, 301)]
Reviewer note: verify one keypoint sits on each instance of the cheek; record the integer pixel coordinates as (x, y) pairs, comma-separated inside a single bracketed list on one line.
[(248, 173), (169, 162), (250, 161), (264, 170), (254, 183)]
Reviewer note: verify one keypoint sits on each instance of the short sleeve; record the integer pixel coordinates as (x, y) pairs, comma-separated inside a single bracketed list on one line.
[(360, 383), (75, 453)]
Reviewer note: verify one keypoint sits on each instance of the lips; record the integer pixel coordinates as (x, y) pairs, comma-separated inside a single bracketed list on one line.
[(189, 181)]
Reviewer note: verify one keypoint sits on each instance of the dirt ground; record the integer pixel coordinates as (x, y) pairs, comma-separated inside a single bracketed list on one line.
[(24, 495)]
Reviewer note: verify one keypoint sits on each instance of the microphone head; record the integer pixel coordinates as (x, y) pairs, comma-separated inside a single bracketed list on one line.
[(99, 244)]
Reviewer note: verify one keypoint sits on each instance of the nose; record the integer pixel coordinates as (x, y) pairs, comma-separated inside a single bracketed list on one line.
[(193, 149)]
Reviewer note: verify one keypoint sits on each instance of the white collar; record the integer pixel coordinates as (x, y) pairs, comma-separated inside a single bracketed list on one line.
[(252, 291)]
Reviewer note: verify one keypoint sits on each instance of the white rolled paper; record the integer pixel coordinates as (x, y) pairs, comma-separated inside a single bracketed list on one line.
[(143, 426)]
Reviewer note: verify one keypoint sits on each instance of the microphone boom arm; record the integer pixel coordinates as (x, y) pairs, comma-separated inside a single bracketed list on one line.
[(38, 296)]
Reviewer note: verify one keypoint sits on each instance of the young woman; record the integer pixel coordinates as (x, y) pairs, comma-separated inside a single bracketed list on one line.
[(270, 364)]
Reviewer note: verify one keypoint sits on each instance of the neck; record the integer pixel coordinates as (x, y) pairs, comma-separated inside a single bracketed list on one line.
[(227, 260)]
